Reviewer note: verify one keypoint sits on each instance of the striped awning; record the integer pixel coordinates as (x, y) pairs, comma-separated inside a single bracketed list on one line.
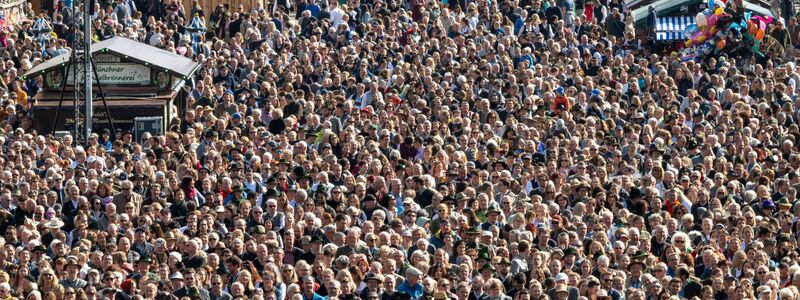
[(671, 28)]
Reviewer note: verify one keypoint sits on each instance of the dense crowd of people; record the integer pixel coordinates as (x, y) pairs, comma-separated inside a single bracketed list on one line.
[(422, 149)]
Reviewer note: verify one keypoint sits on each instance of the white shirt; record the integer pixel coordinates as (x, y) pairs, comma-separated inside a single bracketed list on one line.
[(337, 15)]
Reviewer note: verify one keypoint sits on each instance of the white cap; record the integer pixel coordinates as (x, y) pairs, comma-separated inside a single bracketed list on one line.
[(561, 277)]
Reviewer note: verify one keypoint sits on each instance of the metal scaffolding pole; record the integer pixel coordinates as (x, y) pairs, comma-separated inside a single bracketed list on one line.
[(78, 63), (87, 67)]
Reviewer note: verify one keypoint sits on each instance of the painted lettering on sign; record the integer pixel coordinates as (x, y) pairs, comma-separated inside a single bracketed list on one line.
[(121, 74)]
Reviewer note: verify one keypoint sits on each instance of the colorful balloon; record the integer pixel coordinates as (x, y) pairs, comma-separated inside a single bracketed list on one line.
[(700, 20), (752, 28), (712, 20), (719, 11), (760, 35), (690, 30), (721, 44)]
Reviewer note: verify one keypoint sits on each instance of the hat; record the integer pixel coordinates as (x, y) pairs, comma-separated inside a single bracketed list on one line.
[(562, 288), (259, 230), (237, 115), (492, 211), (636, 193), (561, 277), (784, 203), (502, 163), (412, 271), (316, 239), (373, 276), (144, 259), (55, 223), (440, 295), (571, 251), (176, 276), (622, 232), (194, 292), (768, 204), (556, 219), (504, 261), (487, 266), (636, 262), (169, 236), (72, 261), (602, 294), (39, 248), (764, 289)]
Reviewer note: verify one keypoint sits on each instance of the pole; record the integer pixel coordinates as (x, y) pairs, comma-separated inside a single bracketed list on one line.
[(87, 60), (76, 74), (61, 97), (103, 97)]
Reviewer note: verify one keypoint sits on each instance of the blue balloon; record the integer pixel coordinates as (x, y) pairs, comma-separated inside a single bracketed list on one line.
[(689, 30)]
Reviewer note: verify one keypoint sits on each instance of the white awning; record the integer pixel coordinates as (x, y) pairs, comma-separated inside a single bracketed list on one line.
[(671, 28)]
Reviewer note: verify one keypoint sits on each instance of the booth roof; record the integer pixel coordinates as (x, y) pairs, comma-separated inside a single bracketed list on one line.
[(666, 7), (179, 66)]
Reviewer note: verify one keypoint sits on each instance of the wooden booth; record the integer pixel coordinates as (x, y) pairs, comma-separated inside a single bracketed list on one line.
[(139, 82)]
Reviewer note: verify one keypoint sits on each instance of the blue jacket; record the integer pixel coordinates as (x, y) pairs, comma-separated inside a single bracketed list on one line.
[(315, 297), (415, 291)]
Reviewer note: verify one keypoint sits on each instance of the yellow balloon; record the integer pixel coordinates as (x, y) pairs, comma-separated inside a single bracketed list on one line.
[(701, 38), (713, 30), (718, 11), (688, 43)]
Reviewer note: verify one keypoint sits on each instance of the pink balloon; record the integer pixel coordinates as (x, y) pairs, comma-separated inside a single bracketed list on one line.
[(762, 25), (712, 20), (696, 35)]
